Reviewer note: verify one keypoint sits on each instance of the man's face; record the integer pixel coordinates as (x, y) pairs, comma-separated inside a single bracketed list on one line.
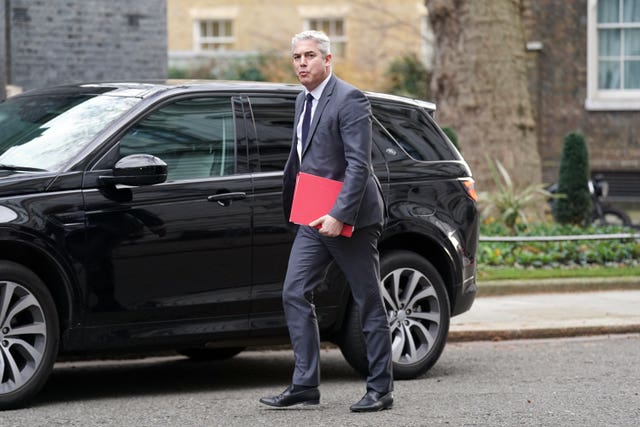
[(311, 68)]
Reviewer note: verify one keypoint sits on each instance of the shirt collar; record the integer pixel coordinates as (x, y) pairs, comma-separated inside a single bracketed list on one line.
[(317, 92)]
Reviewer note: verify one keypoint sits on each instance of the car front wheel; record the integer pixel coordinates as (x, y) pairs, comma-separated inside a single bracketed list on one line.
[(28, 334), (418, 310)]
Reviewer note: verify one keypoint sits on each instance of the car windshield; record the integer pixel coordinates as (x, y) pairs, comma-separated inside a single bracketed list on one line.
[(44, 132)]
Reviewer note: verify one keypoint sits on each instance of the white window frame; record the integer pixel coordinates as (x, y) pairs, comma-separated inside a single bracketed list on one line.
[(427, 39), (603, 99), (335, 39), (226, 41)]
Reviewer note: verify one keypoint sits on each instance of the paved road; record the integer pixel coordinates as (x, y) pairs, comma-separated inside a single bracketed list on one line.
[(591, 381)]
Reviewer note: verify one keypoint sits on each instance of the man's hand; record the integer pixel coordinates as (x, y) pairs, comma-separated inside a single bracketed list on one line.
[(328, 226)]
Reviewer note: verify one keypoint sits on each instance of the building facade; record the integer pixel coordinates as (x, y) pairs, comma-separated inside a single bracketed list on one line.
[(63, 41), (584, 63), (366, 35)]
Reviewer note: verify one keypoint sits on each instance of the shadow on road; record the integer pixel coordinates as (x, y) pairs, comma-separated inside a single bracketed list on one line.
[(77, 381)]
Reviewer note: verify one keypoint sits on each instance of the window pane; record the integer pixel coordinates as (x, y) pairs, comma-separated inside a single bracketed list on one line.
[(608, 43), (608, 11), (632, 42), (194, 137), (632, 75), (609, 75), (47, 131), (274, 127), (339, 30), (338, 49), (631, 11), (326, 27), (414, 131)]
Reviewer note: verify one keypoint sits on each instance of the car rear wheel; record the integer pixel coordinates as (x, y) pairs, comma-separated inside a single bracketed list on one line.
[(28, 334), (418, 310)]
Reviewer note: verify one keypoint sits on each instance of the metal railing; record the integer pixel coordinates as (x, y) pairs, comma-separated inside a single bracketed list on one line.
[(614, 236)]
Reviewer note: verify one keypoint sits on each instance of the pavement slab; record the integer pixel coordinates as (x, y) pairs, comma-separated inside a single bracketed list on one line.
[(546, 315)]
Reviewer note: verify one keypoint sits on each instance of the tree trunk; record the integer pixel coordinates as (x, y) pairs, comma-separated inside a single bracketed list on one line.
[(480, 86), (3, 52)]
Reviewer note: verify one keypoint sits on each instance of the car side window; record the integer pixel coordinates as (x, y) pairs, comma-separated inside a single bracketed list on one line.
[(382, 141), (273, 118), (195, 137), (414, 131)]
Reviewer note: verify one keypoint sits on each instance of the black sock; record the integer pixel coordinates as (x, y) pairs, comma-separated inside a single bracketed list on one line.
[(298, 388)]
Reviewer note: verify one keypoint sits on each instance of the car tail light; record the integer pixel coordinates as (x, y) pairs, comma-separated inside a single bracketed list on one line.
[(470, 186)]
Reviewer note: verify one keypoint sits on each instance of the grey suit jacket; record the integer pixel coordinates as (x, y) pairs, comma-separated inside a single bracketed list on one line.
[(339, 147)]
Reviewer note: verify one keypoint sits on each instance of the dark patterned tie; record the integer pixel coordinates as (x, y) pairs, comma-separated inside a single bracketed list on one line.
[(306, 120)]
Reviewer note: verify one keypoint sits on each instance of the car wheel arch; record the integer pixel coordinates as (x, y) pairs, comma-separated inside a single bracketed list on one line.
[(49, 270), (418, 243), (413, 359), (436, 252)]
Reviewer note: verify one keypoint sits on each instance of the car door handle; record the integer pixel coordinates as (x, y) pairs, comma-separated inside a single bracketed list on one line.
[(225, 199)]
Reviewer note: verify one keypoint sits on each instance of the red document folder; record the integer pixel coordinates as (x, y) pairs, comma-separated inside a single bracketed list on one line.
[(313, 197)]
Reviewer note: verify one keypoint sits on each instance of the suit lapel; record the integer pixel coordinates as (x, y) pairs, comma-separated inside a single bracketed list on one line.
[(322, 103)]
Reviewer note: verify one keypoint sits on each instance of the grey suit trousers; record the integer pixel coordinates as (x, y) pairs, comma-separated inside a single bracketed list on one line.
[(358, 259)]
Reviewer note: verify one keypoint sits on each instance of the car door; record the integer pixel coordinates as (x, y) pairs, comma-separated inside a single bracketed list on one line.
[(269, 145), (273, 117), (177, 253)]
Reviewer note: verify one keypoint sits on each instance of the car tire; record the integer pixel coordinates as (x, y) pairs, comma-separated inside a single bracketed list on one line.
[(29, 334), (418, 310), (210, 354)]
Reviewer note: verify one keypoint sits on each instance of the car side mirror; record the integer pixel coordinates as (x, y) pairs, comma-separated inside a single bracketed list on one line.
[(137, 169)]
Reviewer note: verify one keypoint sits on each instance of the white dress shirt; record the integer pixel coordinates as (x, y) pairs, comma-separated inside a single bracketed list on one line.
[(316, 93)]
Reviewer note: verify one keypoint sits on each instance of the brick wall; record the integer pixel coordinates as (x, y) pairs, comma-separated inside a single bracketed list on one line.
[(558, 83), (65, 41)]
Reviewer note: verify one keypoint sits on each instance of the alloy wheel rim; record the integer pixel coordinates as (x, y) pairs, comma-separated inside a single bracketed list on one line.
[(413, 311), (23, 336)]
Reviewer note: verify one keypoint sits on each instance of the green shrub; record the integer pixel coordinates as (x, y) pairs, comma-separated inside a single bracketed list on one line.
[(556, 254), (576, 207), (451, 134), (508, 202), (178, 73), (248, 69), (408, 77)]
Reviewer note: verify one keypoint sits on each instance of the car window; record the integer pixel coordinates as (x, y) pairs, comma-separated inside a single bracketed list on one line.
[(195, 137), (47, 131), (273, 117), (382, 140), (414, 131)]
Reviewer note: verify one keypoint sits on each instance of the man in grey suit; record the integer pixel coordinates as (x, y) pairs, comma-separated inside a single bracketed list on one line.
[(332, 139)]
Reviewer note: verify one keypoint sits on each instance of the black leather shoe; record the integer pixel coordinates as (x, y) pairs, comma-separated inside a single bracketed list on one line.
[(373, 401), (288, 397)]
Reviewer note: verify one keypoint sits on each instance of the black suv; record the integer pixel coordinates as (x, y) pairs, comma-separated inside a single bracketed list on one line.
[(140, 217)]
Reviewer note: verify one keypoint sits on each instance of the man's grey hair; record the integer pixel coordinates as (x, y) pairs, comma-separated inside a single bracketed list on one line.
[(321, 39)]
